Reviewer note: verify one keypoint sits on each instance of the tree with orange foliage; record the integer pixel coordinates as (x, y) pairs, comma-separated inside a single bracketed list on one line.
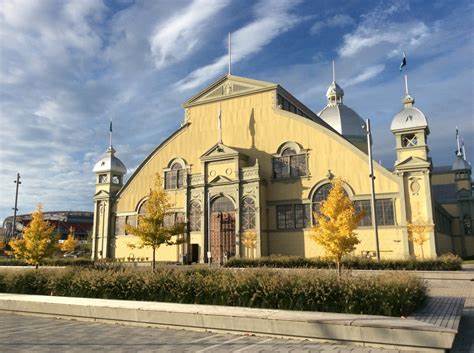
[(70, 244), (151, 229), (38, 242), (335, 224), (249, 240), (417, 233)]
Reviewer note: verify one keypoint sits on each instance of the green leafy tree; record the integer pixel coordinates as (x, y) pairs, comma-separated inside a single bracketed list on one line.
[(39, 240), (152, 230), (335, 224)]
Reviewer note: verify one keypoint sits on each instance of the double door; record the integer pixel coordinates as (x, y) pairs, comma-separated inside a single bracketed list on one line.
[(222, 236)]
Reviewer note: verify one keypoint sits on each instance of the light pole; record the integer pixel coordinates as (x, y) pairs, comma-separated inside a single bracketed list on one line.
[(373, 209), (15, 209)]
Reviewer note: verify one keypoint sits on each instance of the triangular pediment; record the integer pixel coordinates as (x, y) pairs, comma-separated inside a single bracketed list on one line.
[(220, 179), (101, 193), (229, 86), (412, 162), (219, 150)]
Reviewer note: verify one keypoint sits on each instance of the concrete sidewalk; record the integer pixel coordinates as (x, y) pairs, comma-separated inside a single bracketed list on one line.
[(377, 331)]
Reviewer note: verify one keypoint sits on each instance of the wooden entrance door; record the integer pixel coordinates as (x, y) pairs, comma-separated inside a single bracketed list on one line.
[(222, 236)]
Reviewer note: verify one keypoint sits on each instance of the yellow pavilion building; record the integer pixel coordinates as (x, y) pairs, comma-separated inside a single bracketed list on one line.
[(250, 156)]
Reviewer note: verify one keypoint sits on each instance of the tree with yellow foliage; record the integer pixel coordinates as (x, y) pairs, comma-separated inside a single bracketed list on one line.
[(417, 233), (70, 244), (38, 241), (335, 224), (152, 229), (249, 240)]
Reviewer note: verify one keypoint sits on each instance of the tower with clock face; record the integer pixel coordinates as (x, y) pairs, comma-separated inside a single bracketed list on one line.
[(109, 172), (413, 166)]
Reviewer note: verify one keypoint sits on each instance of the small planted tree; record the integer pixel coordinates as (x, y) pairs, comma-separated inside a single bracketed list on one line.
[(417, 233), (38, 241), (71, 243), (152, 230), (249, 240), (335, 224)]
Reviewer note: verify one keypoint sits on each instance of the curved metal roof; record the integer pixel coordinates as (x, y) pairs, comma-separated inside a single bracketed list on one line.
[(461, 164), (109, 163), (343, 119), (409, 117)]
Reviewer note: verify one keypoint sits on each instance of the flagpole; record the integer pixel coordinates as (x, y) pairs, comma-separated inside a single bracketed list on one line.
[(230, 54), (406, 84), (333, 71)]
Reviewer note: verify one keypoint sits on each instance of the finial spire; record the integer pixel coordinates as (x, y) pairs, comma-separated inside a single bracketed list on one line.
[(406, 85), (110, 134), (219, 123), (458, 142), (230, 54), (333, 71)]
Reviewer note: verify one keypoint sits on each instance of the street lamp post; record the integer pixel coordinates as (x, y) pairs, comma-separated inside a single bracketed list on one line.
[(373, 209), (15, 209)]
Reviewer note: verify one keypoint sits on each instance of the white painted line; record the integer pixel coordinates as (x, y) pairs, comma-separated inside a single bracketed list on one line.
[(220, 344), (205, 338), (253, 345)]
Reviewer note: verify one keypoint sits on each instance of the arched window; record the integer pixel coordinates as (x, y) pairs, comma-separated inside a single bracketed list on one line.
[(248, 214), (320, 196), (195, 216), (141, 211), (290, 163), (222, 204), (174, 176)]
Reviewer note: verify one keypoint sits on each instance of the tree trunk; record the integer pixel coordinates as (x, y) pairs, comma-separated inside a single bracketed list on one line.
[(422, 252), (338, 268), (36, 266), (153, 262)]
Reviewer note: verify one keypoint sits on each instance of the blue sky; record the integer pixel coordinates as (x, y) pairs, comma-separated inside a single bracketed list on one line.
[(67, 67)]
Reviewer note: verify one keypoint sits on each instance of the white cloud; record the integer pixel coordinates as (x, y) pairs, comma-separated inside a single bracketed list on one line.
[(367, 74), (272, 19), (385, 27), (175, 39), (399, 35), (336, 21)]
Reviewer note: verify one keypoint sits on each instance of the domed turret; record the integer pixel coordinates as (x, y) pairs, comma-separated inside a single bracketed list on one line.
[(409, 117), (342, 118), (109, 163), (109, 171), (460, 164), (411, 131)]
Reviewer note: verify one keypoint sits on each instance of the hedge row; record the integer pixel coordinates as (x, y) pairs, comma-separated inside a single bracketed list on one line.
[(393, 294), (61, 261), (442, 263)]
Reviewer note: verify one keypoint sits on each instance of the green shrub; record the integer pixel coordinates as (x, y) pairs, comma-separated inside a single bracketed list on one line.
[(60, 261), (391, 294), (443, 263)]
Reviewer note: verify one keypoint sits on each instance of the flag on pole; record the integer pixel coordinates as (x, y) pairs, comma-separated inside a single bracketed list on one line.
[(404, 62), (110, 127)]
